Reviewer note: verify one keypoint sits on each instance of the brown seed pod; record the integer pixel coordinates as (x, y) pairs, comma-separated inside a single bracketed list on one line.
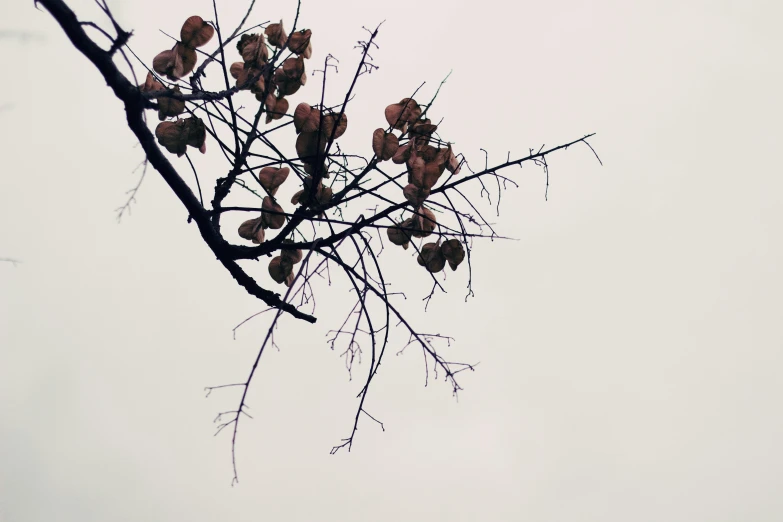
[(330, 122), (278, 110), (169, 107), (286, 85), (416, 171), (280, 268), (309, 145), (384, 145), (454, 252), (276, 34), (398, 115), (292, 254), (253, 49), (297, 197), (415, 195), (196, 32), (175, 63), (398, 236), (403, 154), (431, 257), (272, 214), (300, 43), (253, 230), (151, 84), (294, 68), (173, 136), (271, 178), (425, 222)]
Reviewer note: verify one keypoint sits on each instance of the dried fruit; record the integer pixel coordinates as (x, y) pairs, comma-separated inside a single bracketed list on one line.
[(276, 34), (272, 214), (415, 195), (280, 268), (196, 32), (398, 236), (330, 124), (253, 230), (271, 178), (169, 107), (276, 108), (151, 84), (398, 115), (286, 85), (175, 63), (253, 49), (292, 254), (384, 144), (300, 43), (403, 154), (454, 252), (431, 257), (309, 145), (306, 118)]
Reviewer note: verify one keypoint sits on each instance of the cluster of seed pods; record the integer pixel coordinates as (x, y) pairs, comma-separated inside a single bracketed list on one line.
[(425, 164)]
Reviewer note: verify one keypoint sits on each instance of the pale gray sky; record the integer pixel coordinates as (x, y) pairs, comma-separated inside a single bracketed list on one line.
[(630, 341)]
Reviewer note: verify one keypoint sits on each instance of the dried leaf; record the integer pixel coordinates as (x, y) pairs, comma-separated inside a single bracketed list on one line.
[(253, 49), (173, 136), (292, 254), (403, 154)]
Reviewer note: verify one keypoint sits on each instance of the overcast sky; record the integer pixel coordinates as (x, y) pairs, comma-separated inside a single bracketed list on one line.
[(629, 341)]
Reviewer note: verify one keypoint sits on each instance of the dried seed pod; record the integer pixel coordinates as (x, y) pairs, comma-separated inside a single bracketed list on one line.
[(422, 130), (271, 178), (402, 113), (454, 252), (403, 154), (175, 63), (253, 49), (173, 136), (310, 169), (280, 268), (330, 124), (416, 171), (151, 84), (398, 236), (384, 145), (300, 43), (294, 68), (286, 85), (306, 118), (272, 214), (292, 254), (197, 133), (278, 110), (169, 107), (309, 145), (276, 34), (415, 195), (253, 230), (324, 195), (196, 32), (425, 222), (297, 197), (432, 172), (431, 257)]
